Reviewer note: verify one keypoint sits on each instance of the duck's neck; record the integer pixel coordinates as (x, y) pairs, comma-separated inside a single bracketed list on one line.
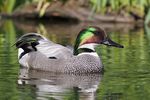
[(86, 48)]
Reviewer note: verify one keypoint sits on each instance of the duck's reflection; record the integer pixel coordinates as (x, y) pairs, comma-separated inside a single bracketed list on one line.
[(61, 86)]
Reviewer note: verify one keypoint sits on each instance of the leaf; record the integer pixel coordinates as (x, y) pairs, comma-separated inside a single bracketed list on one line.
[(10, 5), (43, 9), (147, 18)]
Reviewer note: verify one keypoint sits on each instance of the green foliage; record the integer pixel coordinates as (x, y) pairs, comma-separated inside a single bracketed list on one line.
[(21, 2), (137, 7), (147, 18), (42, 6), (7, 5), (117, 4)]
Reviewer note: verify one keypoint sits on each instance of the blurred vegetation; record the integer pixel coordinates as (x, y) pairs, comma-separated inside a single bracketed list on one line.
[(136, 8), (8, 6), (127, 7)]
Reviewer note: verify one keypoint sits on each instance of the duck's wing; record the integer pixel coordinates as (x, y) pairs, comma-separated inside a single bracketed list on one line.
[(45, 46), (53, 50)]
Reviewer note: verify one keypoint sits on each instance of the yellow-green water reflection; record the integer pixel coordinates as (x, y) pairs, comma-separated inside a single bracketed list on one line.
[(127, 70)]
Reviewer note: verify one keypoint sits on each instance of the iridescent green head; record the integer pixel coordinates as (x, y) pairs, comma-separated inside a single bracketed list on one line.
[(93, 34)]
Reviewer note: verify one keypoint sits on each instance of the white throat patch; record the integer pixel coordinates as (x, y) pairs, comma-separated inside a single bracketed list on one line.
[(89, 46), (91, 53)]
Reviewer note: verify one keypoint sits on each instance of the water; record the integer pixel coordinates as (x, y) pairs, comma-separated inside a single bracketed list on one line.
[(126, 75)]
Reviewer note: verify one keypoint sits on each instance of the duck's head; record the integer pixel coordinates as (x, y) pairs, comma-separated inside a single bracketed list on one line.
[(90, 37)]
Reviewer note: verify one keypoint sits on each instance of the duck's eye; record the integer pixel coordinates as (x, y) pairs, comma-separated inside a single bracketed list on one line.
[(96, 32)]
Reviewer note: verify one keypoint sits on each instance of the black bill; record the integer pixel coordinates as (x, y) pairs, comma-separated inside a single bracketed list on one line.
[(109, 42)]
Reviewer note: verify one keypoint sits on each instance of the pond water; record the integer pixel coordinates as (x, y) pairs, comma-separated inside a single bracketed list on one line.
[(127, 70)]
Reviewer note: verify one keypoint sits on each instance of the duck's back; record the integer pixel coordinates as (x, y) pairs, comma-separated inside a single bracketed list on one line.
[(51, 49)]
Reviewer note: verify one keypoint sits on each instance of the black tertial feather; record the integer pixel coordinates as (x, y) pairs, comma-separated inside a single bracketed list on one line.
[(28, 42)]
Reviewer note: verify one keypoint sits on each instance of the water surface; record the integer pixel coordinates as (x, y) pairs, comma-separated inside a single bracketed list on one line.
[(126, 75)]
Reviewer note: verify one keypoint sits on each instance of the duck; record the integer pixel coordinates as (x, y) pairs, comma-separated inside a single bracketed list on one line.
[(37, 52)]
